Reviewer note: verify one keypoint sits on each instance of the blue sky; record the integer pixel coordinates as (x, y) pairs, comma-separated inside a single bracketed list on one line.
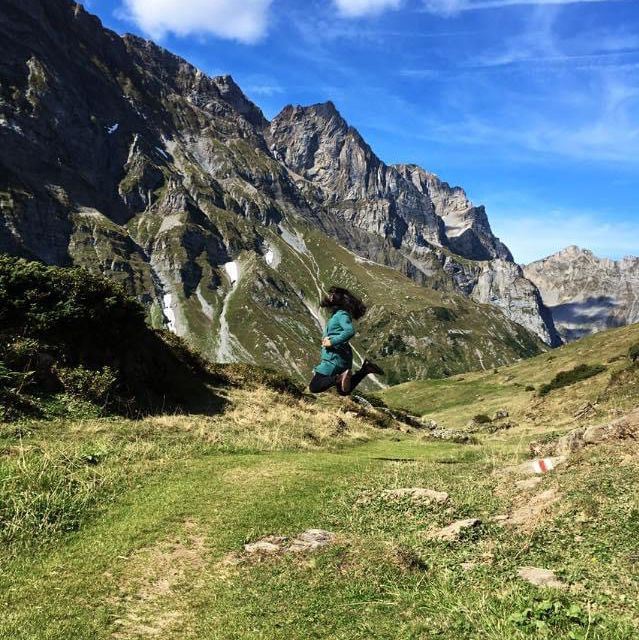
[(531, 105)]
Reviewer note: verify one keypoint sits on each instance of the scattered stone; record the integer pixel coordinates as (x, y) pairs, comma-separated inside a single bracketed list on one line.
[(500, 426), (624, 428), (363, 401), (309, 540), (540, 577), (544, 465), (500, 414), (269, 544), (450, 435), (589, 410), (453, 531), (416, 495), (430, 424), (528, 483)]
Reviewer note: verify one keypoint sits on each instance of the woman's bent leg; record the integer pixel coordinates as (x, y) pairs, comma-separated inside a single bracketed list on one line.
[(320, 383), (343, 382), (368, 367), (358, 377)]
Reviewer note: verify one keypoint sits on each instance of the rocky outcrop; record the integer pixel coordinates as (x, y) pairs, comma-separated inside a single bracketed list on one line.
[(317, 143), (586, 294), (503, 284), (466, 226)]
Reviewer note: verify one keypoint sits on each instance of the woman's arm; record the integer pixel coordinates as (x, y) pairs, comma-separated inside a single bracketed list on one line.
[(346, 330)]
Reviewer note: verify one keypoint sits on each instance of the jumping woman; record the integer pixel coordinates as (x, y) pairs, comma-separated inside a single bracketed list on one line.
[(335, 367)]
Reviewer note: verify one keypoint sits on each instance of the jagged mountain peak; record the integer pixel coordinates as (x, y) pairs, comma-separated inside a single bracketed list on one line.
[(467, 228), (586, 293), (233, 94)]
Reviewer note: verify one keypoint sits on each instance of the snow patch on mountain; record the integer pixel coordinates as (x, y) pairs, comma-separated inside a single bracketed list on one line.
[(169, 312), (232, 271)]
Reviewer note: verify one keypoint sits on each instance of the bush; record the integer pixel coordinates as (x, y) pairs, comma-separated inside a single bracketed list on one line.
[(394, 344), (481, 418), (633, 353), (566, 378), (95, 386), (66, 328), (444, 314), (529, 387)]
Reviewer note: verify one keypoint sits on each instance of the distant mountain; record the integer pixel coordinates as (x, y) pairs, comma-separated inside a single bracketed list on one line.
[(121, 157), (585, 293)]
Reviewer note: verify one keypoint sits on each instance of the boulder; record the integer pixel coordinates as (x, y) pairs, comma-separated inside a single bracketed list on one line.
[(453, 531), (540, 577)]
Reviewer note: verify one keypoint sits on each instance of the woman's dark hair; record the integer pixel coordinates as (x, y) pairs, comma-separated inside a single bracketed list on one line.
[(339, 298)]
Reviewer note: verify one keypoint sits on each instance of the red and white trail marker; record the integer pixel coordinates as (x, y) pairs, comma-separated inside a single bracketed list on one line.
[(544, 465)]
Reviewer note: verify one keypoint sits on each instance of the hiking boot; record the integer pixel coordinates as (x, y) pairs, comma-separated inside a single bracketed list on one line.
[(370, 367)]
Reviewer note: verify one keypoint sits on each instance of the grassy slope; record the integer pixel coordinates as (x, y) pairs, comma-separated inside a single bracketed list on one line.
[(453, 402), (167, 499), (271, 320)]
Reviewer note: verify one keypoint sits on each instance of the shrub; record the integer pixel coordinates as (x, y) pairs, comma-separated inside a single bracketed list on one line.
[(633, 353), (529, 387), (66, 327), (444, 314), (394, 344), (566, 378), (481, 418), (95, 386)]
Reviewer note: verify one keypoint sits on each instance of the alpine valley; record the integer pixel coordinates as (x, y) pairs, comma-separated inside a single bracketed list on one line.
[(120, 157)]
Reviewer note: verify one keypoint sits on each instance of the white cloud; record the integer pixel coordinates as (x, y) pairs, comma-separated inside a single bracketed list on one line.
[(245, 21), (358, 8), (453, 7)]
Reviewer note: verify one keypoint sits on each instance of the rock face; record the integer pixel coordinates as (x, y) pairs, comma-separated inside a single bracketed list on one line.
[(503, 284), (586, 294), (466, 226), (426, 220), (317, 144), (121, 157)]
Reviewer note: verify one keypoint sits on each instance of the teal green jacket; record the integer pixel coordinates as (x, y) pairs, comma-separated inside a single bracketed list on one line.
[(338, 357)]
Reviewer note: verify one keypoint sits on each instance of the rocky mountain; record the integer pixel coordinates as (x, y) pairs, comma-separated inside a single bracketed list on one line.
[(121, 157), (587, 294), (440, 238), (466, 226)]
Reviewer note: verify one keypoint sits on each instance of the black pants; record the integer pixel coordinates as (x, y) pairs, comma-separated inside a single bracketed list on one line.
[(321, 382)]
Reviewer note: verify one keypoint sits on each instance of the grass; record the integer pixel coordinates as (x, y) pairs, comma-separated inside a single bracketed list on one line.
[(142, 519), (574, 375), (454, 401)]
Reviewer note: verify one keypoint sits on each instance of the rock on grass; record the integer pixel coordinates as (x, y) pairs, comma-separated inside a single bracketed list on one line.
[(453, 531), (540, 577), (416, 495), (309, 540)]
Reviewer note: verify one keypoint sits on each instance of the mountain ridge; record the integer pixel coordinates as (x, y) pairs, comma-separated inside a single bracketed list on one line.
[(126, 159)]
